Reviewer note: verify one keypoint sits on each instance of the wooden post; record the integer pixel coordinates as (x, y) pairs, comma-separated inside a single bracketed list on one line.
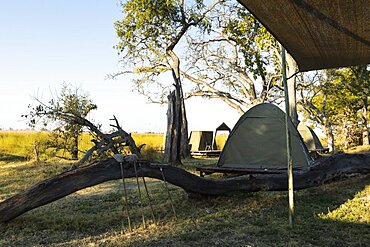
[(288, 141)]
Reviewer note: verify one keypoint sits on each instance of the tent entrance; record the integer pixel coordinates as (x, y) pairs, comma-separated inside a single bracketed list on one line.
[(203, 143)]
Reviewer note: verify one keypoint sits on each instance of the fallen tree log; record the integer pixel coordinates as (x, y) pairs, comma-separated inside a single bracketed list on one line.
[(324, 170)]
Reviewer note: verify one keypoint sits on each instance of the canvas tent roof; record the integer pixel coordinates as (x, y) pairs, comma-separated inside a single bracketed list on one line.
[(309, 137), (318, 33), (258, 140), (223, 127)]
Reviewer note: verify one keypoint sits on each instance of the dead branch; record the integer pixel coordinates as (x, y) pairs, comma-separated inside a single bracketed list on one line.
[(110, 141)]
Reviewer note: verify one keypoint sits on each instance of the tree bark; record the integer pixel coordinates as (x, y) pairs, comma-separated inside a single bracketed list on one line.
[(324, 170), (184, 150), (171, 144), (178, 135), (328, 126), (291, 70), (74, 148), (345, 131), (330, 137), (36, 152)]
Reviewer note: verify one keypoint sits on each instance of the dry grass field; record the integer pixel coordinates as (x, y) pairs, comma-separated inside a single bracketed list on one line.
[(22, 143), (334, 214)]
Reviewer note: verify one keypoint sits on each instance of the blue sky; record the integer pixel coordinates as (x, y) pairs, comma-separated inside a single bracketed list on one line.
[(44, 43)]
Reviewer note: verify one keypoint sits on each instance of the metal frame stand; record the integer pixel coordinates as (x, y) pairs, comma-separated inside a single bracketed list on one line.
[(126, 197), (140, 198), (169, 194)]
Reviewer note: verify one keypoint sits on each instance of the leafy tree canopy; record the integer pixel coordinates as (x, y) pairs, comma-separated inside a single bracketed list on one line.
[(228, 54), (61, 112)]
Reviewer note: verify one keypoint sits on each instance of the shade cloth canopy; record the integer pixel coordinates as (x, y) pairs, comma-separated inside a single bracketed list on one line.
[(318, 34), (200, 140)]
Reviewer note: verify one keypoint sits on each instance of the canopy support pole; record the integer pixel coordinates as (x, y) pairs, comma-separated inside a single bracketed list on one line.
[(288, 141)]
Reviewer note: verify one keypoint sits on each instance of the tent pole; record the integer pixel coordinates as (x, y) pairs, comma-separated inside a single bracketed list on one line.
[(288, 141)]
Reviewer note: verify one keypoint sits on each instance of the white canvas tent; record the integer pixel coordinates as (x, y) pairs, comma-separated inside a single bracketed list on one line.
[(200, 140), (204, 142)]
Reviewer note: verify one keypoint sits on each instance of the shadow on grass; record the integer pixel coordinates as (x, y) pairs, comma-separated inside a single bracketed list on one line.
[(11, 157), (245, 219), (266, 222)]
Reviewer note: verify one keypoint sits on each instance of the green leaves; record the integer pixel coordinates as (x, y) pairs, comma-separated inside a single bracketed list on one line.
[(149, 33), (68, 101), (74, 102), (254, 41), (147, 24), (340, 97), (217, 42), (60, 113)]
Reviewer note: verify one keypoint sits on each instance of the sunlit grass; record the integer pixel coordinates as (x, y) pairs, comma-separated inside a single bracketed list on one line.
[(153, 140), (20, 145), (334, 214), (354, 210), (16, 176), (359, 149)]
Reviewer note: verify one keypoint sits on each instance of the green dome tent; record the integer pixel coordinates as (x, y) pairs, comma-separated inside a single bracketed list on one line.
[(310, 138), (258, 141)]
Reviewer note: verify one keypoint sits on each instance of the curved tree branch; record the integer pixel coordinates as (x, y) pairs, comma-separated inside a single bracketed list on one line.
[(225, 96)]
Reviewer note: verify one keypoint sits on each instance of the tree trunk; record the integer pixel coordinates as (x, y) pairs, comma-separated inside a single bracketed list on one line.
[(178, 136), (74, 147), (365, 130), (345, 132), (171, 154), (292, 68), (324, 170), (328, 127), (36, 152), (184, 149), (330, 137)]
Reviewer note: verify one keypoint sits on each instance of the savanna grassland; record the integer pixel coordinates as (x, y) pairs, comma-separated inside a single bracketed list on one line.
[(334, 214), (22, 145)]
